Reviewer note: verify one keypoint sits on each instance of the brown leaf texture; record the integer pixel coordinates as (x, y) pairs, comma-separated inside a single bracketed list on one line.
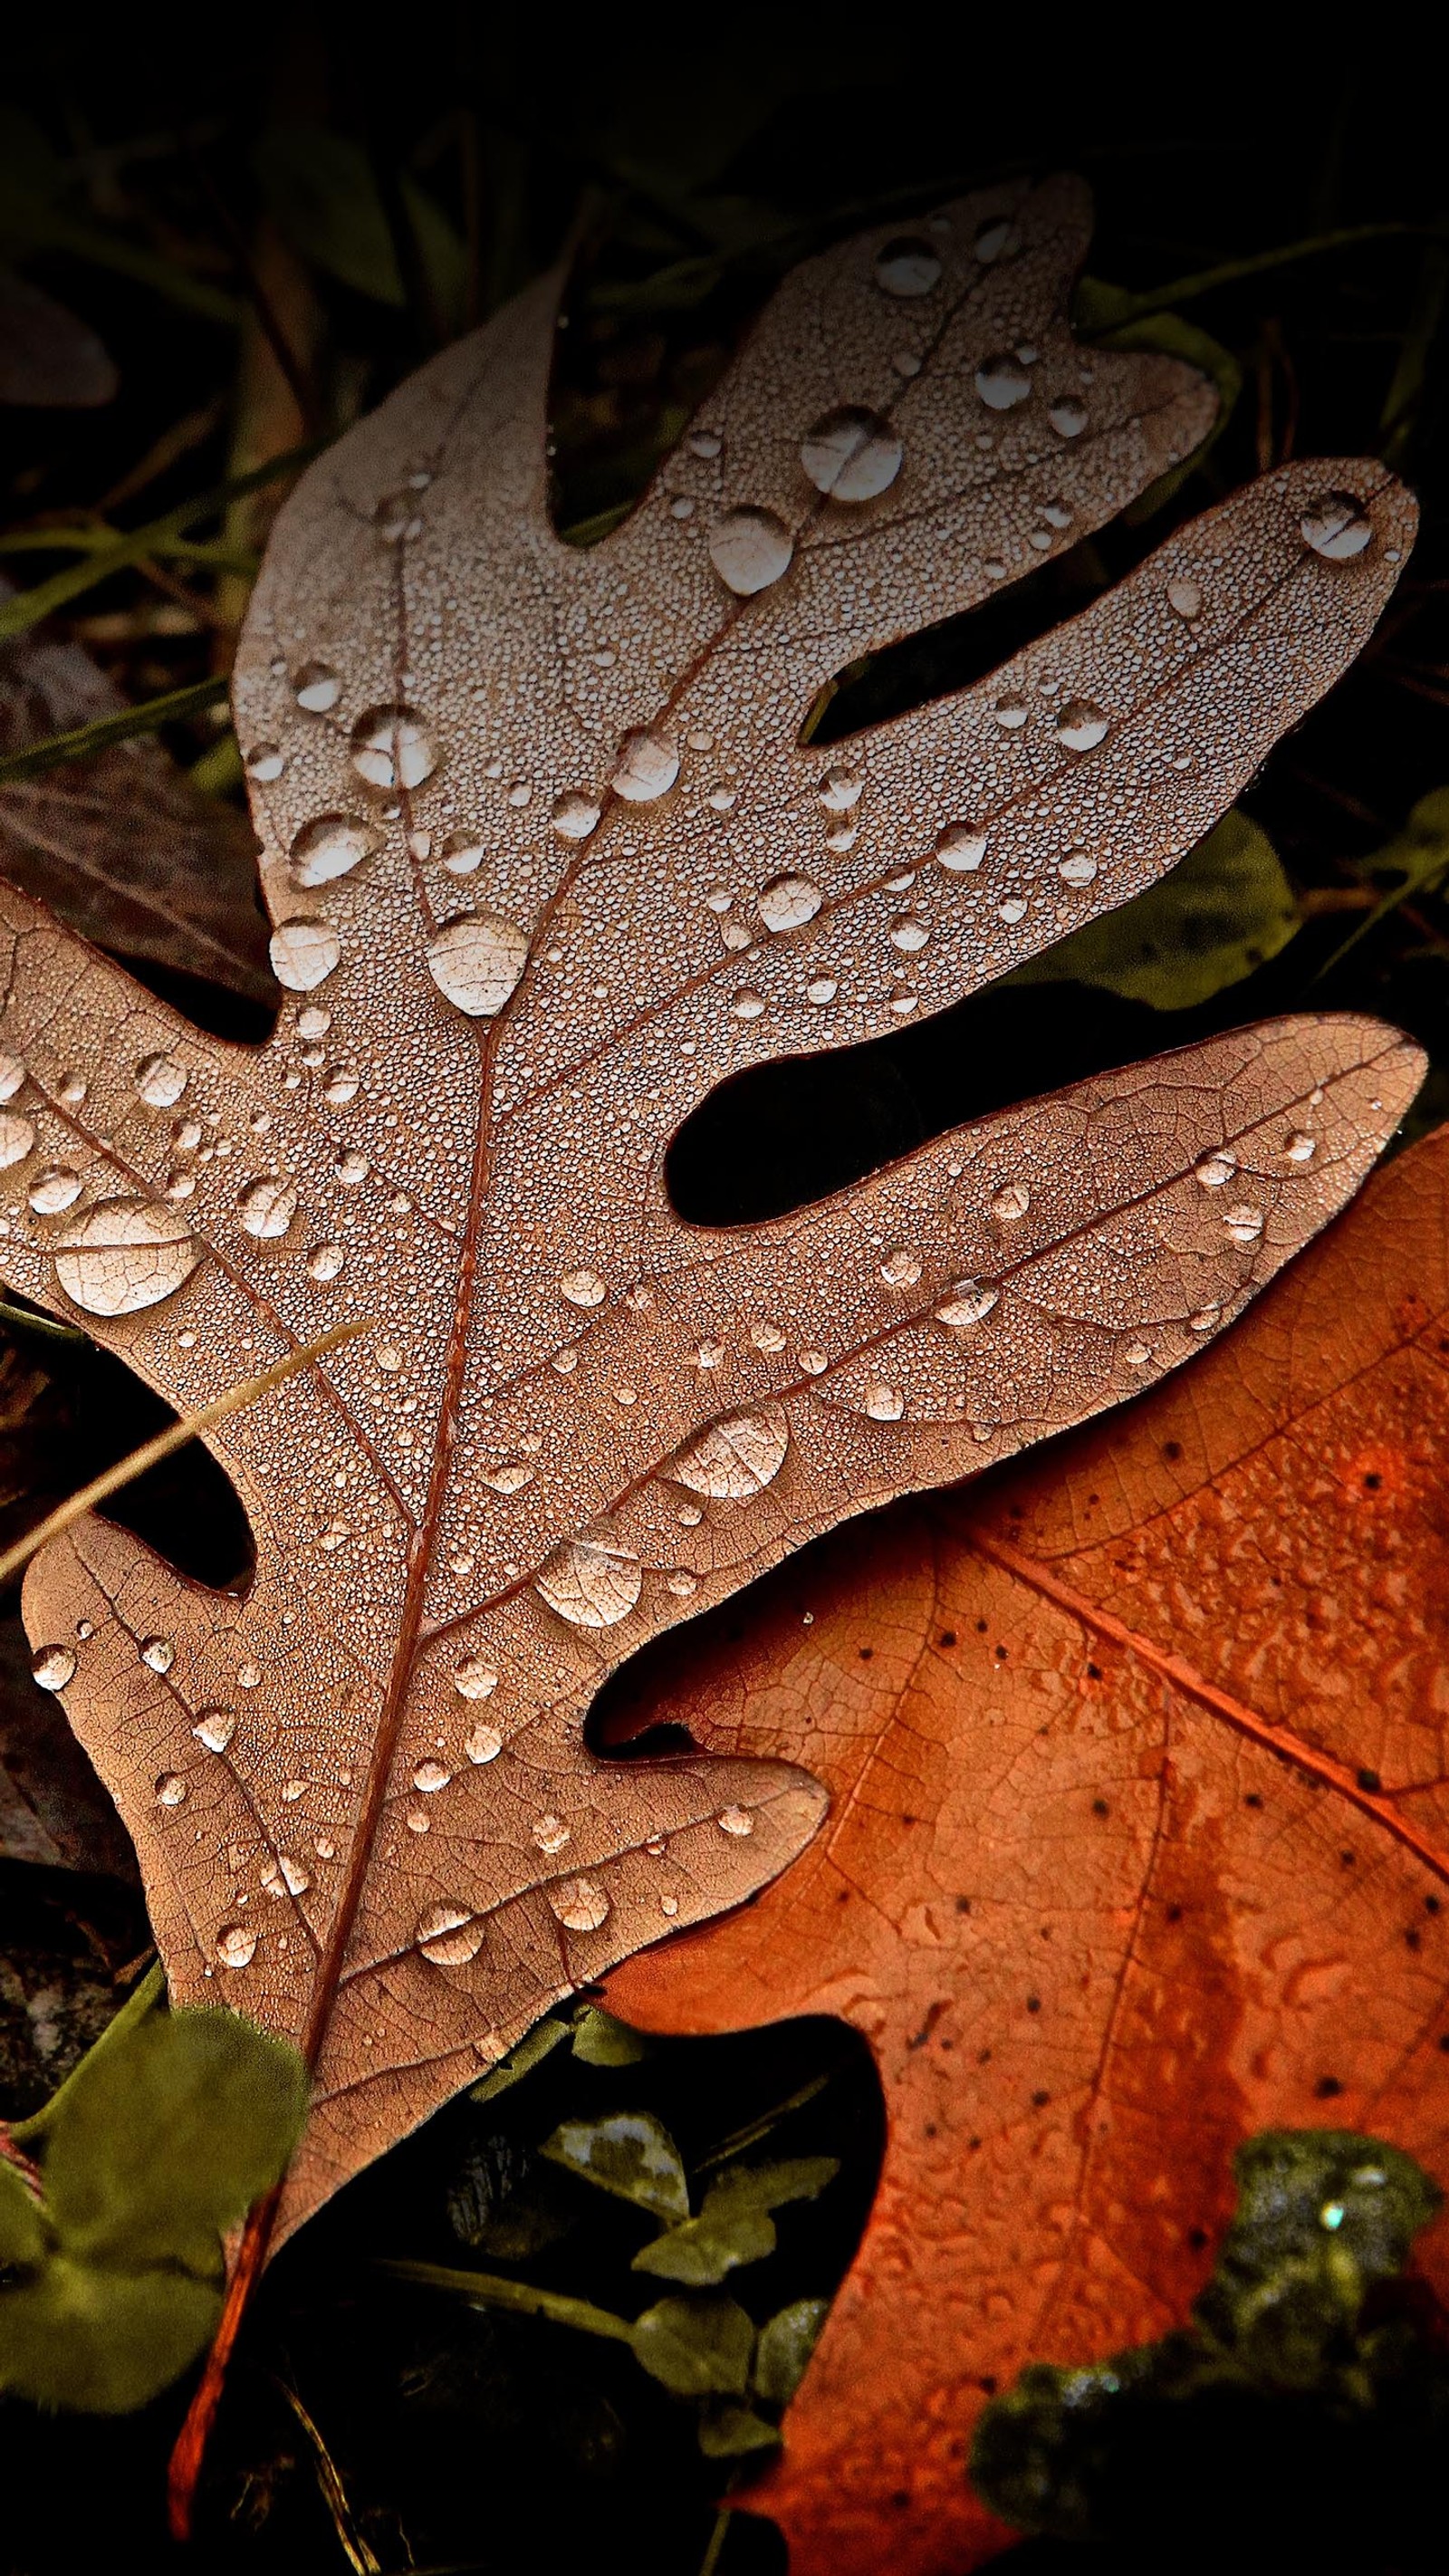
[(547, 862), (1139, 1843)]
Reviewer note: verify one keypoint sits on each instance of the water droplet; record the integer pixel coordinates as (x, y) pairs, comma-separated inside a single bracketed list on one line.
[(304, 953), (734, 1458), (477, 961), (969, 1303), (264, 762), (17, 1138), (746, 1005), (266, 1208), (1068, 416), (249, 1676), (317, 688), (1335, 527), (750, 549), (590, 1582), (1002, 381), (1301, 1147), (551, 1833), (473, 1679), (1076, 869), (851, 454), (991, 239), (583, 1288), (72, 1090), (901, 1269), (908, 933), (482, 1743), (580, 1904), (1010, 1202), (53, 1667), (1204, 1320), (391, 747), (286, 1876), (1080, 725), (159, 1653), (704, 442), (170, 1789), (960, 848), (340, 1086), (449, 1934), (351, 1167), (1244, 1223), (648, 765), (325, 1262), (52, 1192), (331, 845), (160, 1080), (236, 1945), (788, 902), (574, 815), (814, 1363), (215, 1728), (1137, 1354), (884, 1403), (821, 988), (1011, 713), (431, 1776), (841, 789), (736, 1821), (908, 267), (1184, 596), (12, 1075), (1215, 1169)]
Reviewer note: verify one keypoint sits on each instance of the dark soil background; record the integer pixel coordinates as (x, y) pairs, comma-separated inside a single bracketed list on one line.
[(239, 224)]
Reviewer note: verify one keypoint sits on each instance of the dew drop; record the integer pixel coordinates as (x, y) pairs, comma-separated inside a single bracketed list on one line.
[(908, 934), (1301, 1147), (1081, 725), (969, 1303), (821, 988), (590, 1582), (788, 902), (908, 267), (52, 1192), (1011, 713), (304, 953), (215, 1728), (264, 762), (746, 1004), (170, 1789), (901, 1269), (1214, 1170), (734, 1458), (583, 1288), (324, 1263), (991, 239), (53, 1667), (17, 1138), (1137, 1354), (704, 442), (1184, 597), (1068, 416), (851, 454), (1010, 1202), (1002, 381), (960, 848), (351, 1168), (331, 845), (340, 1086), (12, 1075), (1335, 527), (841, 789), (551, 1833), (1076, 869), (1244, 1223), (159, 1653), (449, 1934), (477, 962), (266, 1208), (580, 1904), (884, 1403), (648, 765), (72, 1091), (160, 1080), (391, 748), (482, 1743), (473, 1679), (236, 1945), (574, 816), (317, 688), (750, 549), (431, 1776)]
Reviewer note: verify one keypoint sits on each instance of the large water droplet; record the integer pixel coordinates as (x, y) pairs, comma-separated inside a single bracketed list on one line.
[(17, 1138), (52, 1192), (265, 763), (1068, 416), (969, 1303), (583, 1288), (266, 1208), (884, 1403), (473, 1679), (908, 933), (53, 1667), (991, 239), (160, 1080), (1002, 381), (12, 1075), (170, 1790), (1301, 1147), (482, 1743), (1184, 596), (590, 1582), (391, 747), (961, 848), (746, 1004), (1244, 1223), (788, 902), (159, 1653), (325, 1262), (236, 1945), (462, 853), (648, 765), (1077, 868), (841, 789), (1010, 1202), (901, 1268), (575, 815), (1215, 1169), (750, 549), (430, 1777), (736, 1456), (215, 1728), (124, 1255), (852, 454), (908, 267), (477, 961), (317, 687), (580, 1904), (1335, 527), (331, 845), (551, 1833), (304, 953), (736, 1821), (449, 1934), (1081, 725), (341, 1086)]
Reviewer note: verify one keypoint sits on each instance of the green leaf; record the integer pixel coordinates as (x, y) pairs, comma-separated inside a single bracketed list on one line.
[(321, 193), (727, 2432), (734, 2226), (166, 2138), (698, 2347), (530, 2052), (140, 2003), (1116, 318), (1412, 862), (601, 2041), (629, 2153), (22, 2228), (786, 2343), (101, 2342), (1224, 910)]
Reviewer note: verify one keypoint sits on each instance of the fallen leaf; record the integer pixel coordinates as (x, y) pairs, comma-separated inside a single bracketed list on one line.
[(120, 844), (546, 863), (1139, 1843)]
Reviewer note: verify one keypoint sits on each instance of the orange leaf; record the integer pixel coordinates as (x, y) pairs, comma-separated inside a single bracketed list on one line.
[(1139, 1842)]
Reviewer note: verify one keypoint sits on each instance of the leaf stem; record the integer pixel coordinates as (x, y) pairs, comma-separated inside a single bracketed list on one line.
[(519, 2296)]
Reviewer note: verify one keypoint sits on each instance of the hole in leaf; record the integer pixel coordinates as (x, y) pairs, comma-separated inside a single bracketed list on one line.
[(187, 1508)]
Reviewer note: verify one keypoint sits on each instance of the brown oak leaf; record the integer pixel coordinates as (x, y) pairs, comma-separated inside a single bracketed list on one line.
[(1139, 1843), (546, 862)]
